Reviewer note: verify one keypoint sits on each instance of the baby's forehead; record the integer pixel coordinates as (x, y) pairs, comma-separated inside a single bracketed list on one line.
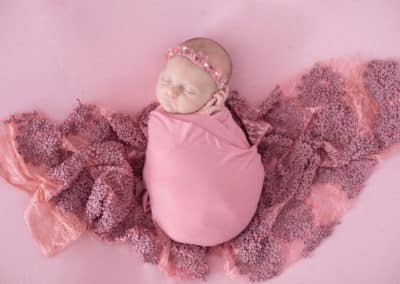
[(182, 66), (182, 70)]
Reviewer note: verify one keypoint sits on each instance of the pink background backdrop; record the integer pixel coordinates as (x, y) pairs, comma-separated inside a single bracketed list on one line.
[(110, 52)]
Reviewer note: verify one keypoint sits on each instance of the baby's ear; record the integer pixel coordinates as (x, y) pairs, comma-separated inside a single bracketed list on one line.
[(222, 93)]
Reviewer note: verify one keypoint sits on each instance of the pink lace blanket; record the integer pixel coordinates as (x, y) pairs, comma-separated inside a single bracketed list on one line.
[(331, 125)]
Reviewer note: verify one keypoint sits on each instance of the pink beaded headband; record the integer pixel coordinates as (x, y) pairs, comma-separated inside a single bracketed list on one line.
[(199, 59)]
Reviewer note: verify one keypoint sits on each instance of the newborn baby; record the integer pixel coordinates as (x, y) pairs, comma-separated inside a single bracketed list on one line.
[(203, 178)]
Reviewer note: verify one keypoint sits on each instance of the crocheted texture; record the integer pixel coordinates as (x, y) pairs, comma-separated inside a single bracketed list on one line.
[(318, 136)]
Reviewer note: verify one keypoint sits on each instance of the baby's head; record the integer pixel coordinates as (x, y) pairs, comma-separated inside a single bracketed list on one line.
[(185, 87)]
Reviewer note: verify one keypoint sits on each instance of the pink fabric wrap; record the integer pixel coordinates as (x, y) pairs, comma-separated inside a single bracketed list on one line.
[(204, 179)]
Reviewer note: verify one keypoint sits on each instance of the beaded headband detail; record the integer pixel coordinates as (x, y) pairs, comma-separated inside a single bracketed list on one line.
[(199, 59)]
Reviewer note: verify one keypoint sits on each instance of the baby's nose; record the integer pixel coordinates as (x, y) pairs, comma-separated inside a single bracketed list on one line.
[(174, 91)]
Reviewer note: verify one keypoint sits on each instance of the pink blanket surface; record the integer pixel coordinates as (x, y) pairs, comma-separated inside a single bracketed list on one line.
[(319, 135)]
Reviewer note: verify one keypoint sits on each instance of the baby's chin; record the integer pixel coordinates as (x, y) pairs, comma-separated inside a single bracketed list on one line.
[(171, 108)]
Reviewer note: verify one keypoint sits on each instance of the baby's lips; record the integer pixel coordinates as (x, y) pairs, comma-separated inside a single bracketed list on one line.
[(169, 97)]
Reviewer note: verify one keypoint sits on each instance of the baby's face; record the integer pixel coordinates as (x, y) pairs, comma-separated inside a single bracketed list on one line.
[(183, 87)]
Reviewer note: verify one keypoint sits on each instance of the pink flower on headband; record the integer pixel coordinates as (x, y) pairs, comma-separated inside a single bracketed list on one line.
[(199, 59)]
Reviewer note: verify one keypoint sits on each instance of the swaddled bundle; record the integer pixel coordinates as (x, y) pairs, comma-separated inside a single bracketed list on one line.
[(203, 178)]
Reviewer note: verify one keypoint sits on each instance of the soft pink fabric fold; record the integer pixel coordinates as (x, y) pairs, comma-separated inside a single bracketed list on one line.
[(51, 229)]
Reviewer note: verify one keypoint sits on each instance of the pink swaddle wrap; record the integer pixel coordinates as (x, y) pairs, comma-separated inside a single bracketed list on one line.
[(204, 179)]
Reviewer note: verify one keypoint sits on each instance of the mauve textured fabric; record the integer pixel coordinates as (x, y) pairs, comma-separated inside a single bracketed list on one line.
[(320, 135)]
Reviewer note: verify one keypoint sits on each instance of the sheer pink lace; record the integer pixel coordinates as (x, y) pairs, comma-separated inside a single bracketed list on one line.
[(320, 136), (51, 229)]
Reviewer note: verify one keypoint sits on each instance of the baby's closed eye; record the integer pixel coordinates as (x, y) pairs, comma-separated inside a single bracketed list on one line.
[(189, 91), (165, 81)]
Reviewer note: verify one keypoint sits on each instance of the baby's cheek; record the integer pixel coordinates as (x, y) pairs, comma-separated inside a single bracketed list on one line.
[(195, 104), (204, 99), (159, 93)]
